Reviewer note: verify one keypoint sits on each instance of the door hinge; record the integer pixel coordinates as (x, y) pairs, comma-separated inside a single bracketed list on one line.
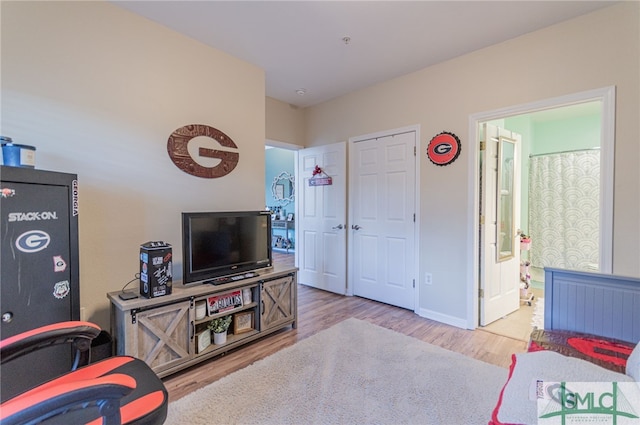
[(481, 220), (483, 145), (414, 283), (481, 293), (414, 217), (414, 151)]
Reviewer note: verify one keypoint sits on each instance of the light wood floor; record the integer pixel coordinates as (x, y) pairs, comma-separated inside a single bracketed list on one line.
[(318, 310)]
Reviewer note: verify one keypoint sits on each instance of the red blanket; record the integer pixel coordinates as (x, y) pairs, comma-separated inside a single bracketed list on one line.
[(609, 353)]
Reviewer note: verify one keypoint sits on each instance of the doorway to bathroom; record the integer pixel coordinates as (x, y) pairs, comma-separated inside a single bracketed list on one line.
[(566, 161)]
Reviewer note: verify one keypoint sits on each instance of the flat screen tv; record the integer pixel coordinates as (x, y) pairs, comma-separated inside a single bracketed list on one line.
[(217, 244)]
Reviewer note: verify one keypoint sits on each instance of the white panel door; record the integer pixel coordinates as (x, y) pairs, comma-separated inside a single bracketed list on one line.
[(382, 207), (321, 221), (499, 271)]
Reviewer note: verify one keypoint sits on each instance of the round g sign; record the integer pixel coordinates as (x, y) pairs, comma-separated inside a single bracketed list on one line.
[(444, 148), (179, 154), (33, 241)]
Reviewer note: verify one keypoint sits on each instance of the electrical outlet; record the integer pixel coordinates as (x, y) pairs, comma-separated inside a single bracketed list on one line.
[(427, 279)]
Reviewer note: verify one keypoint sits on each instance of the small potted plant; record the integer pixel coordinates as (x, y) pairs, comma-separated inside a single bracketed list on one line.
[(219, 327)]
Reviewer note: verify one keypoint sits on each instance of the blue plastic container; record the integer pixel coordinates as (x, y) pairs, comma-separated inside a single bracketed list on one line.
[(15, 155)]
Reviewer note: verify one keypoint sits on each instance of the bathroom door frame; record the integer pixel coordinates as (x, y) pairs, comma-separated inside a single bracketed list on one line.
[(606, 95)]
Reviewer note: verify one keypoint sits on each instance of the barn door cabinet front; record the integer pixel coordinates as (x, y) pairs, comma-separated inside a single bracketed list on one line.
[(279, 306), (160, 336)]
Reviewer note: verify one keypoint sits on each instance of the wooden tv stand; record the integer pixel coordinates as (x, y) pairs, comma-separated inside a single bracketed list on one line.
[(165, 333)]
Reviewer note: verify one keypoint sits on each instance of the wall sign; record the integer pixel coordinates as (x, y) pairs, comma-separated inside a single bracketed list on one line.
[(444, 148), (224, 302), (179, 154), (320, 178)]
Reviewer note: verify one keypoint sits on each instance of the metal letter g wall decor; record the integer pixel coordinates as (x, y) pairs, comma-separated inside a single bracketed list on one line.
[(179, 154)]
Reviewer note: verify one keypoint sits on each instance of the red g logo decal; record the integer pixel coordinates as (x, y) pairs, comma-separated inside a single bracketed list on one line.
[(179, 153), (444, 148)]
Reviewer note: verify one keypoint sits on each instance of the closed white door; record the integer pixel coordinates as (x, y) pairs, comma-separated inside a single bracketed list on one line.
[(321, 221), (382, 218), (499, 223)]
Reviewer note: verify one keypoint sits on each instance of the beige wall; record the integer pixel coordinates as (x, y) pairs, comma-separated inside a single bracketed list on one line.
[(285, 122), (98, 91), (593, 51)]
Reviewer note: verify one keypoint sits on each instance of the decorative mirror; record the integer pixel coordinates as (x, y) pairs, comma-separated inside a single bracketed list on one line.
[(506, 199), (283, 188)]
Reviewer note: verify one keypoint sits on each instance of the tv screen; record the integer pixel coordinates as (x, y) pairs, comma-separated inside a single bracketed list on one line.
[(216, 244)]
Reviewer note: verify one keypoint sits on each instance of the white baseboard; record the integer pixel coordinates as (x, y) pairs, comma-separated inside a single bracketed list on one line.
[(443, 318)]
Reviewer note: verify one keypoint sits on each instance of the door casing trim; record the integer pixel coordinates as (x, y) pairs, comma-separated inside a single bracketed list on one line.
[(607, 95)]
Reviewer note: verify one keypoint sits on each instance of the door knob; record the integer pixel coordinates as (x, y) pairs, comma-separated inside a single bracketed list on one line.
[(338, 227), (355, 227)]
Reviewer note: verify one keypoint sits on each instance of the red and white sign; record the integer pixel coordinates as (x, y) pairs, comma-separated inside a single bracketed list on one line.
[(224, 302), (444, 148)]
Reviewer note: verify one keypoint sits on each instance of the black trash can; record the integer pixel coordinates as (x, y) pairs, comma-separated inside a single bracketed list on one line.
[(101, 347)]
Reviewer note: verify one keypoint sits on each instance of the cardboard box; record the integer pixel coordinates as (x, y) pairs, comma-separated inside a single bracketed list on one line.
[(155, 269)]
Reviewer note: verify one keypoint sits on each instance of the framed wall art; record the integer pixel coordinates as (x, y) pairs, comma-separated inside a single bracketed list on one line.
[(243, 322), (203, 340)]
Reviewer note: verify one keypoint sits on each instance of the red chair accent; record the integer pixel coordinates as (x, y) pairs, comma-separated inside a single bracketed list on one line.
[(116, 390)]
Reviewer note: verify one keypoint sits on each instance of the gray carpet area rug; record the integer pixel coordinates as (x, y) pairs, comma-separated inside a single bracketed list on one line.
[(351, 373)]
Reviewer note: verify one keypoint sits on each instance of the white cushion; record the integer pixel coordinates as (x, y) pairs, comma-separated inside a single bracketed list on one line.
[(519, 405), (633, 364)]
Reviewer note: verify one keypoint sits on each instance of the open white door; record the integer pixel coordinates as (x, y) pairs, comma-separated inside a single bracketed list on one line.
[(499, 223), (321, 221)]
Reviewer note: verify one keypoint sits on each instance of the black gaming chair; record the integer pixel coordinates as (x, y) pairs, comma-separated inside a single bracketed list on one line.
[(116, 390)]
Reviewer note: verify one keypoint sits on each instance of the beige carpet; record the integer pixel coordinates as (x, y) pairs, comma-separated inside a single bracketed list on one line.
[(351, 373)]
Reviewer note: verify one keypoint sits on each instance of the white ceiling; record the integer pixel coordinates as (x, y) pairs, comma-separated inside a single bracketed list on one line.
[(300, 44)]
